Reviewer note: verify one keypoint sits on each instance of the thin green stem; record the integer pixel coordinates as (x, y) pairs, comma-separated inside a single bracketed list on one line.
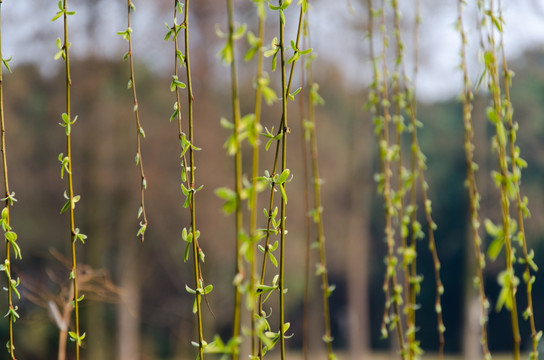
[(6, 220), (281, 146), (71, 195), (139, 130), (307, 226), (413, 193), (177, 91), (188, 168), (284, 130), (197, 271), (392, 290), (431, 226), (474, 195), (267, 245), (297, 41), (515, 160), (374, 103), (239, 270), (180, 61), (405, 215), (418, 166), (510, 280), (326, 290), (253, 200)]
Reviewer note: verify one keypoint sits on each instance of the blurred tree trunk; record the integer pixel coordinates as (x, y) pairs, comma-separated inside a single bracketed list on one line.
[(128, 246), (98, 343), (97, 189), (358, 237), (128, 320), (472, 333)]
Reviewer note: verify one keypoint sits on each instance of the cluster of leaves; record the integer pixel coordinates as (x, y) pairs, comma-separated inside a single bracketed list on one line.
[(247, 128), (201, 291), (9, 234), (278, 180), (11, 241)]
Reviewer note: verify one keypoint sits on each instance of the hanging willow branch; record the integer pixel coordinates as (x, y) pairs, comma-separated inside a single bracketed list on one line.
[(66, 167), (418, 172), (392, 98), (473, 192), (508, 176), (9, 234), (314, 99), (187, 147), (517, 164), (237, 152), (379, 103), (140, 133), (261, 82)]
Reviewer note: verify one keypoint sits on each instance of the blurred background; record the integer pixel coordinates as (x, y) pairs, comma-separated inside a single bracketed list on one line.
[(136, 306)]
